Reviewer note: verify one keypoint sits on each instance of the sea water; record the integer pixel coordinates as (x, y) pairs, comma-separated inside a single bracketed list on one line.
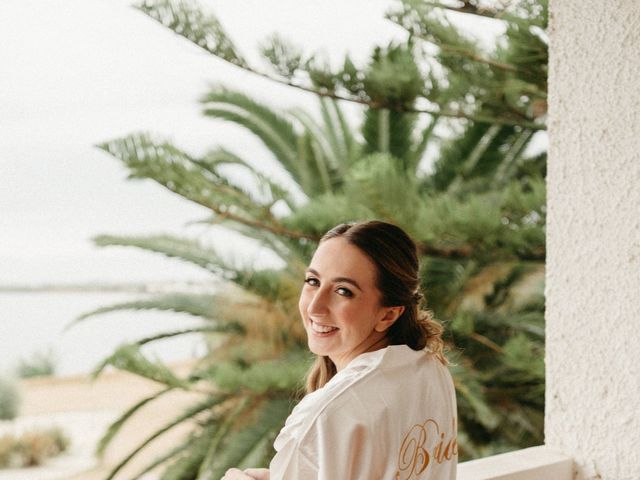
[(33, 323)]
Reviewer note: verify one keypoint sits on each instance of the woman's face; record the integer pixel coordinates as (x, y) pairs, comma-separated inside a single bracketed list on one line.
[(340, 303)]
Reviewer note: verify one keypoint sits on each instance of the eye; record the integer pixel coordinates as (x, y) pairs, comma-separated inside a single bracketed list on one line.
[(347, 292), (311, 281)]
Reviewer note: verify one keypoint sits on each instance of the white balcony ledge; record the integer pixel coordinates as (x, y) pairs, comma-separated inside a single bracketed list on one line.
[(528, 464)]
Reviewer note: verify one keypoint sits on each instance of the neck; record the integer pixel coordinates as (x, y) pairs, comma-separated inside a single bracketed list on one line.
[(341, 362)]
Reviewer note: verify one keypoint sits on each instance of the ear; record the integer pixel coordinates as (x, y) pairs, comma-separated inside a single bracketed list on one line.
[(391, 315)]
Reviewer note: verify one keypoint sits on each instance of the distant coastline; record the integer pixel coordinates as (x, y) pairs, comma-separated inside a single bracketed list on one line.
[(98, 287)]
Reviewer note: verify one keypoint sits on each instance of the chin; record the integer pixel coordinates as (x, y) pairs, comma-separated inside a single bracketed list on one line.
[(315, 349)]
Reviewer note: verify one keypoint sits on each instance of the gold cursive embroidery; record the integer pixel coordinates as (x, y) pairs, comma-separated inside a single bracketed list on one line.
[(422, 445)]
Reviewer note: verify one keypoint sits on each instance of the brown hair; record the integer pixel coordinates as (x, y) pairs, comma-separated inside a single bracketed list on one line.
[(396, 259)]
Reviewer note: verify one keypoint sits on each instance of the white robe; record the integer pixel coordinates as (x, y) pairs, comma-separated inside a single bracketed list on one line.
[(388, 415)]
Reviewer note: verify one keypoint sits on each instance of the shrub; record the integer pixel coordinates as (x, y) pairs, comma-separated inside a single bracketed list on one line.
[(9, 399), (40, 364), (31, 448)]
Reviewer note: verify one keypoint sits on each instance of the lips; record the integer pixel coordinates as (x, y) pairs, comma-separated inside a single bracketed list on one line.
[(322, 329)]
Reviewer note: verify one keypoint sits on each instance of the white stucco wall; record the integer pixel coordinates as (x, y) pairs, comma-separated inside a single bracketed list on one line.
[(593, 237)]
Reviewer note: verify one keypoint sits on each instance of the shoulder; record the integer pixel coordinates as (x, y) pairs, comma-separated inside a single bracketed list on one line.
[(367, 391), (378, 396)]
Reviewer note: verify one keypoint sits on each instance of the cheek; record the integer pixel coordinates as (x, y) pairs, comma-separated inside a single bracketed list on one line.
[(303, 301), (352, 313), (359, 315)]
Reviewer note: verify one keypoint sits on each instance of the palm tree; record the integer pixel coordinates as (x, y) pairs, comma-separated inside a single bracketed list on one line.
[(478, 217), (259, 356)]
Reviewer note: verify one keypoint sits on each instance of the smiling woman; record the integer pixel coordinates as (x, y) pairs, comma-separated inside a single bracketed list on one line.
[(381, 402), (341, 308)]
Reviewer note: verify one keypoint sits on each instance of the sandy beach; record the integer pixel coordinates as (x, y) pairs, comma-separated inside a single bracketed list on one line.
[(84, 408)]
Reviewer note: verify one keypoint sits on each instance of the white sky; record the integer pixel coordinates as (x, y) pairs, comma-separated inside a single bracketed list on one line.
[(77, 72)]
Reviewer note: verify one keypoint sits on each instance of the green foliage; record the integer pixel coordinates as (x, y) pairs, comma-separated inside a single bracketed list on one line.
[(477, 213), (202, 29), (390, 132), (508, 83), (31, 448), (280, 375), (392, 77), (195, 179), (198, 305), (9, 399), (247, 445), (189, 456), (40, 364), (275, 131), (325, 212), (115, 427), (190, 413), (463, 82), (131, 359), (284, 57)]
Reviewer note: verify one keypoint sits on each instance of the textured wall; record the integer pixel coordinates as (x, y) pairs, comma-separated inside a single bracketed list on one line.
[(593, 262)]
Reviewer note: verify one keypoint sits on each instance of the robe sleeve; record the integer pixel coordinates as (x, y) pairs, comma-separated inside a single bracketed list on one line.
[(291, 463), (335, 447)]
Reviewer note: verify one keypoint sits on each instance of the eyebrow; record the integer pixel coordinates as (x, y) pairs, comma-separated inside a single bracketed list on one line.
[(337, 279)]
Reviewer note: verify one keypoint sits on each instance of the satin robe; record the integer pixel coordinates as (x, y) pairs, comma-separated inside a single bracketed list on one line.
[(389, 414)]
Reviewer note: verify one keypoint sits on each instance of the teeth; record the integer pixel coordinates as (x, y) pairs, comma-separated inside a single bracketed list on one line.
[(321, 328)]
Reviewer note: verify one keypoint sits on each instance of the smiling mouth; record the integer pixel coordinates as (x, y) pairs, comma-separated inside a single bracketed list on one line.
[(322, 328)]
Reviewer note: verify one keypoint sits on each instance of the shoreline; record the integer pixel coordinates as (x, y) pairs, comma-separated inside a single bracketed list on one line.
[(84, 408), (190, 286)]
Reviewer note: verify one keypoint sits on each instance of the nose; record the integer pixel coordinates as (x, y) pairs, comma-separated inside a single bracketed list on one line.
[(317, 305)]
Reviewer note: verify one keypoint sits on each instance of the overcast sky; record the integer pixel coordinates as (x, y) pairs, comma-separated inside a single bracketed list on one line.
[(78, 72)]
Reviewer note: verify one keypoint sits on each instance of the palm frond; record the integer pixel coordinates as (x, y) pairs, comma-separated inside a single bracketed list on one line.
[(226, 328), (318, 171), (267, 187), (472, 403), (509, 165), (190, 454), (323, 213), (187, 250), (343, 142), (281, 246), (317, 131), (190, 444), (190, 413), (391, 193), (443, 279), (198, 305), (390, 132), (189, 21), (419, 147), (263, 282), (353, 148), (128, 357), (249, 442), (323, 160), (275, 131), (284, 57), (281, 375), (478, 150), (115, 427), (181, 173)]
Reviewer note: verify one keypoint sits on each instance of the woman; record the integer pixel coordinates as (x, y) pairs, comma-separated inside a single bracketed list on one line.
[(381, 402)]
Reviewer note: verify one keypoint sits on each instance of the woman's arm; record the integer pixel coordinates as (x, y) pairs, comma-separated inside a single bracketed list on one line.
[(336, 447), (248, 474), (258, 473)]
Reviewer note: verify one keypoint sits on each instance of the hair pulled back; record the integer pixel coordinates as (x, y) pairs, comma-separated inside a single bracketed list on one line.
[(395, 257)]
